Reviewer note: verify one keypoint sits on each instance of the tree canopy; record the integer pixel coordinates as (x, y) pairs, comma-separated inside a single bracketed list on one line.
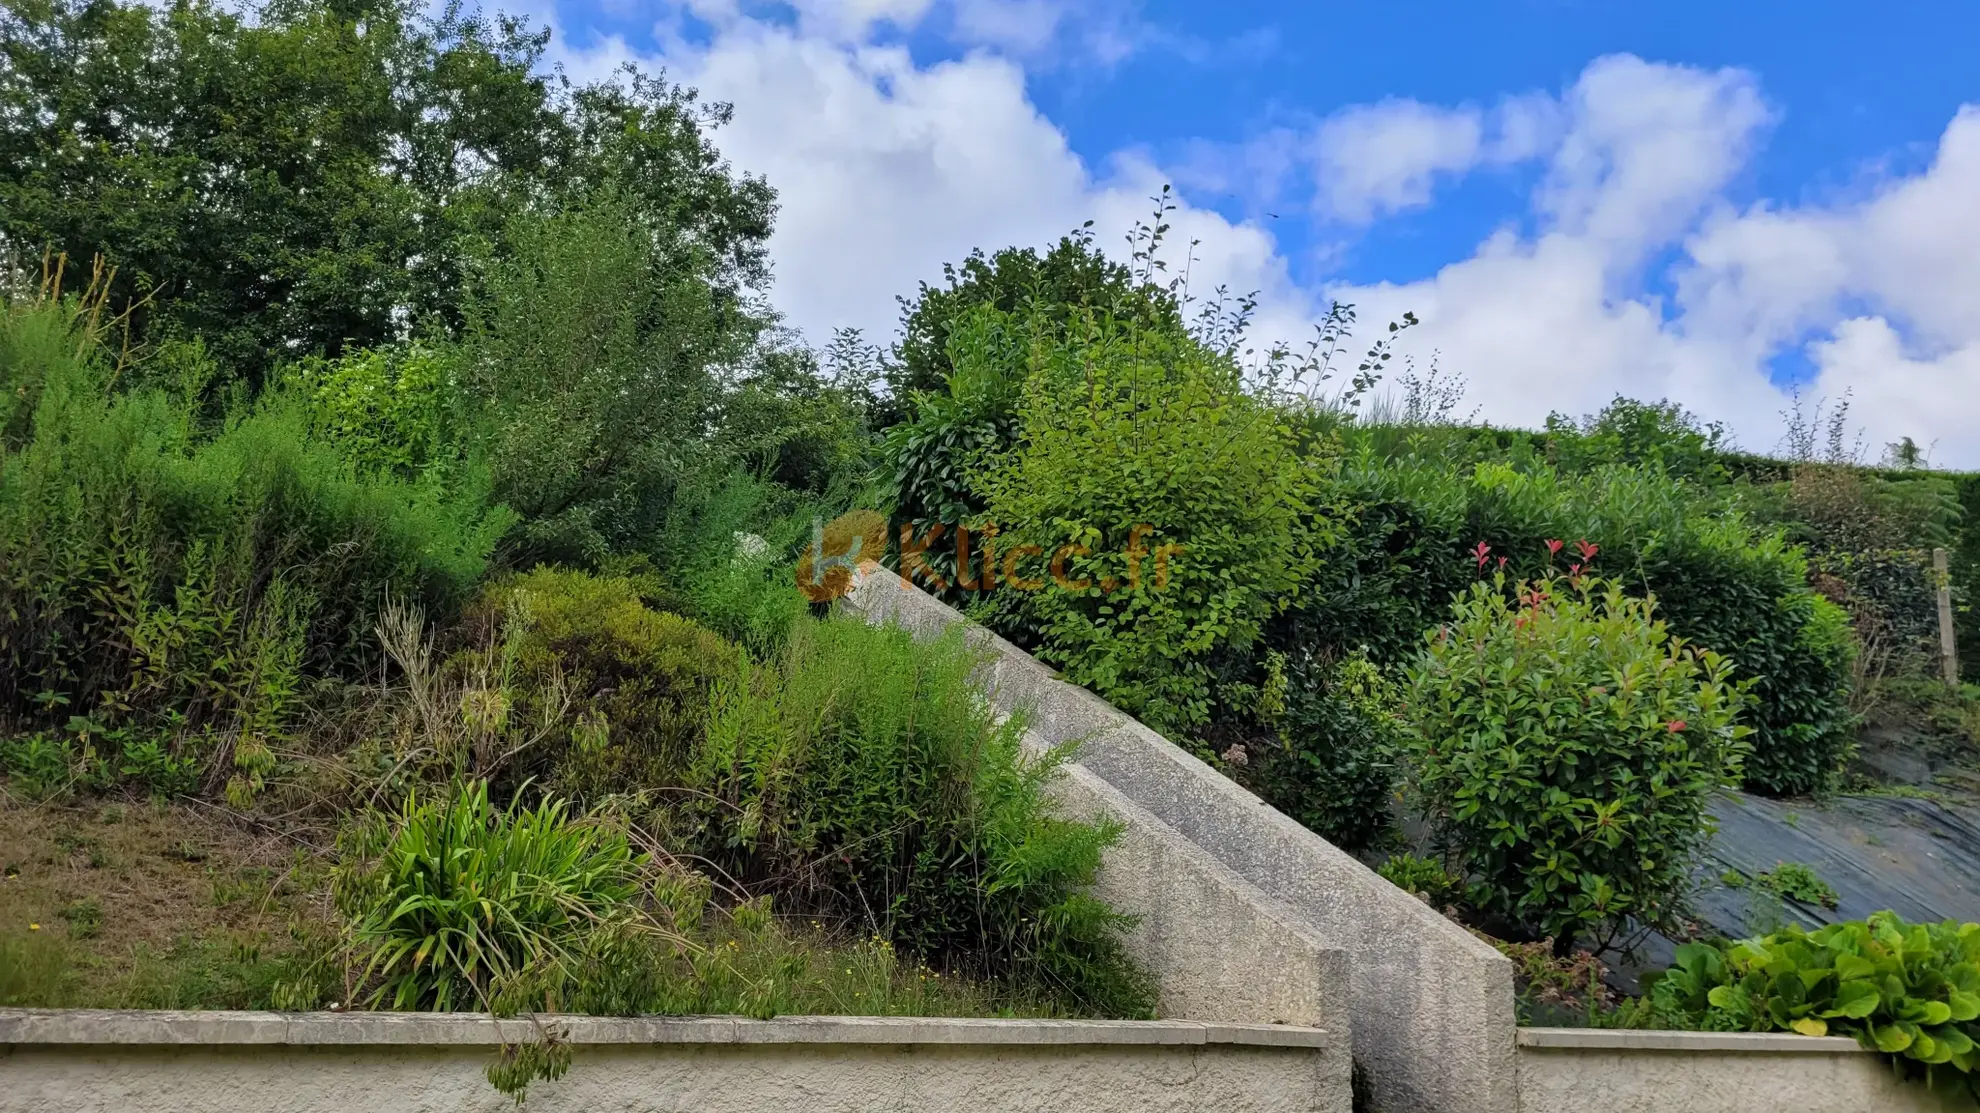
[(322, 174)]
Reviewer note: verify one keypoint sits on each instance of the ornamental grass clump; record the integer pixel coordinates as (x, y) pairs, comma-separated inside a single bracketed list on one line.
[(460, 897), (1564, 746)]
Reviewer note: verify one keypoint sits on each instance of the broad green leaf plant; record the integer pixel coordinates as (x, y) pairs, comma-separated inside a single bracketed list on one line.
[(1911, 991)]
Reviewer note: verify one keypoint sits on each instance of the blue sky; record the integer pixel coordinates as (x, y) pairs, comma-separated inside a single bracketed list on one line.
[(1705, 201)]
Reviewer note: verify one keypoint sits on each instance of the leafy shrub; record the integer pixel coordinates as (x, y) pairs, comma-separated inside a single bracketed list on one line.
[(1794, 881), (1911, 991), (1332, 764), (151, 573), (624, 687), (1721, 583), (393, 409), (152, 765), (1134, 440), (939, 462), (1071, 277), (864, 775), (456, 898), (1565, 746), (590, 346), (1424, 877), (724, 556), (39, 766), (1660, 435), (1388, 578)]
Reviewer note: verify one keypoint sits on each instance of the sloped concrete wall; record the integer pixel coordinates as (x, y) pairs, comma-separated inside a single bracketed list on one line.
[(1578, 1070), (1432, 1006), (1210, 935), (80, 1061)]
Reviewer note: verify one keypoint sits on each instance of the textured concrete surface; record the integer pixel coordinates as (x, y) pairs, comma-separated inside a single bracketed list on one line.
[(1579, 1071), (1432, 1007), (320, 1063), (170, 1027), (1224, 951)]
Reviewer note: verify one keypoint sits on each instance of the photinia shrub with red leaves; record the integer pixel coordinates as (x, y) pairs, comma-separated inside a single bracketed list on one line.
[(1564, 744)]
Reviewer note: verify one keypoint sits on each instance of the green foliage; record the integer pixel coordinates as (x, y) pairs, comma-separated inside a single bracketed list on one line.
[(1795, 881), (1965, 567), (591, 346), (392, 409), (800, 426), (1424, 877), (1721, 583), (1388, 578), (631, 683), (39, 766), (1071, 277), (865, 773), (1662, 435), (153, 574), (725, 555), (459, 897), (1136, 442), (1332, 764), (1911, 991), (314, 174), (1565, 746), (939, 462), (152, 765)]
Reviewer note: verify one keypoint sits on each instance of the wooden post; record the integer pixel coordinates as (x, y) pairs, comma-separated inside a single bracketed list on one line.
[(1948, 652)]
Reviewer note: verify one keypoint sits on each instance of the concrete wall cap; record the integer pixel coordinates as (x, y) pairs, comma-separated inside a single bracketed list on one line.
[(1608, 1039), (114, 1026)]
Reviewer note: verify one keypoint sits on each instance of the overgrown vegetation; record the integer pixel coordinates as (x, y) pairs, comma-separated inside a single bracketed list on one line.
[(436, 504), (399, 451)]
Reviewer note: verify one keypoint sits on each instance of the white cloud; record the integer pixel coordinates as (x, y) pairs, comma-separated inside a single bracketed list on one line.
[(1647, 148), (887, 168), (1382, 158), (1561, 319)]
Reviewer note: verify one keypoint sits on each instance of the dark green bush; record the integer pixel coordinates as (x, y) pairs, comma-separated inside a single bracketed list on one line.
[(864, 776), (1331, 765), (1565, 746), (1070, 278), (939, 462), (630, 684)]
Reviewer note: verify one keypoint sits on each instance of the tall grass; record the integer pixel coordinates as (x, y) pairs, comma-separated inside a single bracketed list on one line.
[(160, 573), (864, 775)]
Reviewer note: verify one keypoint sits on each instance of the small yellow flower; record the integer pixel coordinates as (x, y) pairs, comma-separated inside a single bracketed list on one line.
[(34, 927)]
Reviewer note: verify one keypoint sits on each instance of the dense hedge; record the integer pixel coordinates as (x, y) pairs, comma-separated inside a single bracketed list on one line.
[(1720, 582)]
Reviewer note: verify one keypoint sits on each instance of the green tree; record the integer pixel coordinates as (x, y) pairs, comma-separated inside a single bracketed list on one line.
[(1070, 276), (319, 173)]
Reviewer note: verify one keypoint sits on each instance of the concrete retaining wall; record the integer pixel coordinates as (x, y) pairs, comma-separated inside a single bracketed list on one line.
[(1574, 1070), (1433, 1008), (1224, 951), (80, 1061)]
